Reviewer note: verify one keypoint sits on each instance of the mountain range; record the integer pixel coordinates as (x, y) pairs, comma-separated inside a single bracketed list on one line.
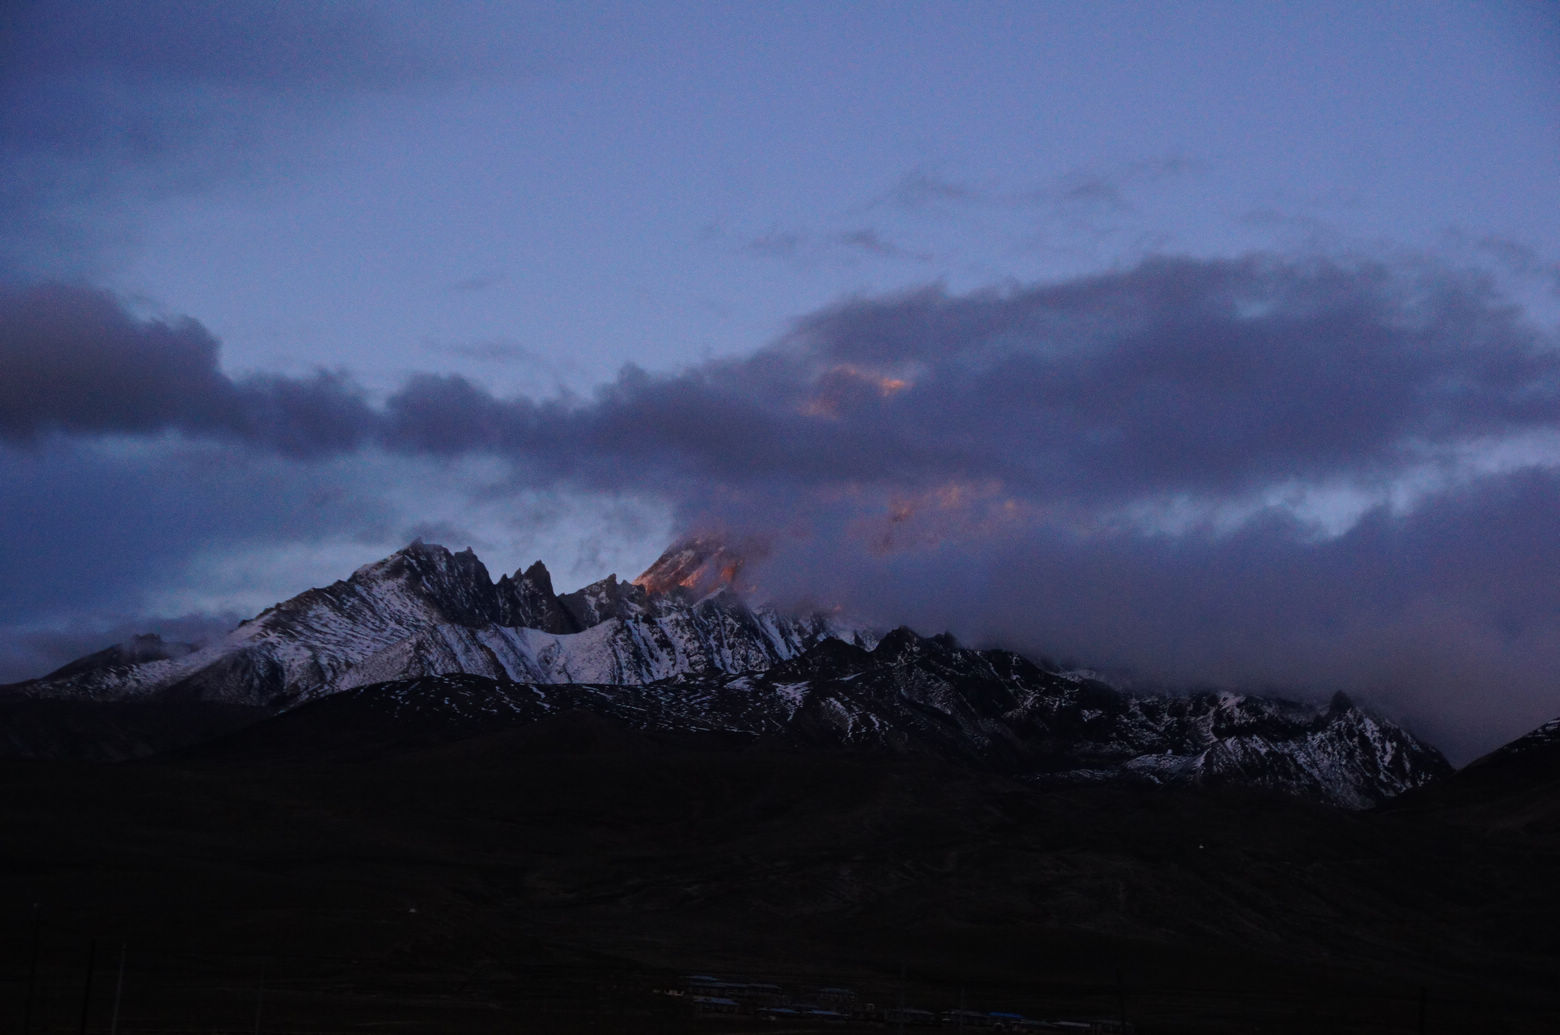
[(426, 636), (421, 800)]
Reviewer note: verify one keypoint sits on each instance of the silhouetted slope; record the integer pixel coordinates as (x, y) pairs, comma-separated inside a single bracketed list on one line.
[(1515, 788), (499, 881)]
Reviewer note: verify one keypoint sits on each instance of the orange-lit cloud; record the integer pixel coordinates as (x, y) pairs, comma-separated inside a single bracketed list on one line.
[(845, 386), (955, 511)]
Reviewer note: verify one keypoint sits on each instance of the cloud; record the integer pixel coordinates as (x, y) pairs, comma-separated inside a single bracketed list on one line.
[(476, 283), (1301, 472), (1094, 189), (1110, 186), (1177, 377), (776, 244), (1445, 614), (104, 106), (1107, 186), (920, 189), (870, 241), (74, 360), (808, 250), (308, 48)]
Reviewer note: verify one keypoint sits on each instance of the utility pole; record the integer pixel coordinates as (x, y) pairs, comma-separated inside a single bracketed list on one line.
[(119, 988), (86, 989), (901, 998), (260, 997), (32, 973)]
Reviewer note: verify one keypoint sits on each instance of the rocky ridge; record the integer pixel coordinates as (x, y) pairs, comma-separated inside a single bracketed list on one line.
[(428, 632), (427, 611)]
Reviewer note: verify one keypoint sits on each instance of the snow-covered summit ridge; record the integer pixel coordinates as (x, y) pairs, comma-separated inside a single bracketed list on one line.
[(673, 650), (425, 610)]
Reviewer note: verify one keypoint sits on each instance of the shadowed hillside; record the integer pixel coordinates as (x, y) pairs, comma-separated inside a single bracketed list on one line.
[(549, 877)]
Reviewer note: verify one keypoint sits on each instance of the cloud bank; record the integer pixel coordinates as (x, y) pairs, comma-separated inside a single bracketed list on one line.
[(104, 106), (1304, 473)]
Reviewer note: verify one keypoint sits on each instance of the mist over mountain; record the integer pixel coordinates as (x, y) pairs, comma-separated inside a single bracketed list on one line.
[(678, 648)]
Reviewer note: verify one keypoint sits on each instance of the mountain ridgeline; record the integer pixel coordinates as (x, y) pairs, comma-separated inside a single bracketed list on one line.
[(426, 640), (426, 611)]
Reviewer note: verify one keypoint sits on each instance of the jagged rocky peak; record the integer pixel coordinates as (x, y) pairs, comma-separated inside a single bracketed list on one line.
[(457, 584), (904, 646), (699, 565), (527, 600), (604, 600), (428, 562)]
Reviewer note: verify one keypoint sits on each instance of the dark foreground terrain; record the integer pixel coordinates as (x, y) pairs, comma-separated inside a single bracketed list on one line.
[(561, 876)]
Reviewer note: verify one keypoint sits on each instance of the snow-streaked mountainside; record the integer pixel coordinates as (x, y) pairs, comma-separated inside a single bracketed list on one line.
[(993, 709), (428, 633), (426, 611)]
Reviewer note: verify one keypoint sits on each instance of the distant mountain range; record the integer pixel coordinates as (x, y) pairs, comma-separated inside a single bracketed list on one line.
[(426, 641)]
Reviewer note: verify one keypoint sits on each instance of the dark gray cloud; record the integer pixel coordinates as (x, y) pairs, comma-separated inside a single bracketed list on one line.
[(324, 413), (71, 358), (106, 105), (1104, 467), (282, 46), (1217, 379), (74, 360), (1177, 376), (1209, 376), (1445, 614)]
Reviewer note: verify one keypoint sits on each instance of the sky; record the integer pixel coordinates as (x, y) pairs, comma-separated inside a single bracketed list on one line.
[(1208, 344)]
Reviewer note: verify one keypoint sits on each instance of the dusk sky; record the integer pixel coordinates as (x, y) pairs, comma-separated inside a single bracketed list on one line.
[(1217, 343)]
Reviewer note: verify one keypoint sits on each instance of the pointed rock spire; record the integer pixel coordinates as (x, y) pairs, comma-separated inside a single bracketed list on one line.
[(526, 600)]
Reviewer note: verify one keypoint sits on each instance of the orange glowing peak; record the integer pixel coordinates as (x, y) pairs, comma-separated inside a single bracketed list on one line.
[(699, 565)]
